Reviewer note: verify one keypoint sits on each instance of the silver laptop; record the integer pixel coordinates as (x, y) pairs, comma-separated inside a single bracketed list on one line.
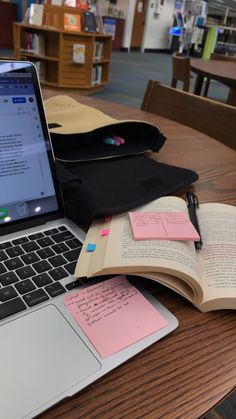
[(44, 354)]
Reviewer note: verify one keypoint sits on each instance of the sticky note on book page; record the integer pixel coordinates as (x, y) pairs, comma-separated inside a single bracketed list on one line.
[(113, 314), (162, 225)]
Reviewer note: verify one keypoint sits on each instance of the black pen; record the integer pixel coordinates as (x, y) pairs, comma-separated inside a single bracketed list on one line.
[(193, 204)]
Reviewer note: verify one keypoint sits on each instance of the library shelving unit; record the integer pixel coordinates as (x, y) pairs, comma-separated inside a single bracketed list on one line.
[(51, 49)]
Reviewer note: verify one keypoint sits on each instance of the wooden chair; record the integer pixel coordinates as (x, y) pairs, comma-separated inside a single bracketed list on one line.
[(180, 71), (219, 57), (222, 57), (213, 118)]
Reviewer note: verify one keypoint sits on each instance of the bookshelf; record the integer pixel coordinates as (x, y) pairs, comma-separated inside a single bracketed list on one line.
[(51, 48)]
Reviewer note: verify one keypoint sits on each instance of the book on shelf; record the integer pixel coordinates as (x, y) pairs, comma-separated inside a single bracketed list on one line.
[(98, 51), (99, 23), (38, 44), (207, 278), (72, 22), (26, 17), (33, 43), (82, 4), (36, 14), (78, 53), (96, 75), (90, 22), (70, 3), (56, 2), (25, 41), (109, 25)]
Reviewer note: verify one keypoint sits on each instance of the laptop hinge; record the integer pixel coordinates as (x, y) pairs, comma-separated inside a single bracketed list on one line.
[(13, 228)]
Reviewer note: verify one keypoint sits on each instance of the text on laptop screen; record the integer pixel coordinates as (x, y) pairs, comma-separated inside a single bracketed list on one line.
[(26, 183)]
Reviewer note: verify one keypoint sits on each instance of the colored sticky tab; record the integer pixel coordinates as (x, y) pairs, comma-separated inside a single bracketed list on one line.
[(162, 225), (91, 247), (110, 141), (105, 232), (113, 314), (118, 139)]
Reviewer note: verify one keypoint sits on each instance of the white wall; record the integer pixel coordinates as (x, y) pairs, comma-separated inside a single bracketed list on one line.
[(128, 7), (120, 5), (129, 24), (157, 28)]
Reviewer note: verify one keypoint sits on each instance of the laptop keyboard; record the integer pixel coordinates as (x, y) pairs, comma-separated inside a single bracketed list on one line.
[(32, 267)]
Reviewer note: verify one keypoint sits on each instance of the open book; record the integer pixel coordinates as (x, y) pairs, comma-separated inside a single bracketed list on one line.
[(207, 278)]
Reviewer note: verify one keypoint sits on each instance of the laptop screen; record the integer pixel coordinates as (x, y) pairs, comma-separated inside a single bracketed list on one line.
[(26, 181)]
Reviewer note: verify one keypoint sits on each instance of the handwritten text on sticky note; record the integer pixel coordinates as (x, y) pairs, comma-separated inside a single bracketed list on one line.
[(113, 314), (162, 225)]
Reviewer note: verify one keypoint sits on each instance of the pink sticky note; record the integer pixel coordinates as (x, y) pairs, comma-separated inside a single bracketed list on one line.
[(105, 232), (162, 225), (113, 314)]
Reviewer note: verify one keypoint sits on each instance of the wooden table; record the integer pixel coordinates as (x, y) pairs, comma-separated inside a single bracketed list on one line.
[(222, 71), (189, 371)]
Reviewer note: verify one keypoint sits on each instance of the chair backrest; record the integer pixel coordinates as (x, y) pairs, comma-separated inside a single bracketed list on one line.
[(222, 57), (180, 70), (215, 119)]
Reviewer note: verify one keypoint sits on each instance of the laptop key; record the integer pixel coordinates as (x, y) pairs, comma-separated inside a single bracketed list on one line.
[(42, 280), (25, 286), (72, 254), (30, 246), (8, 278), (70, 267), (58, 273), (2, 268), (35, 297), (11, 307), (56, 261), (7, 293), (14, 251), (3, 255), (73, 243), (25, 272), (62, 237), (41, 266), (55, 289), (30, 258), (62, 228), (12, 264), (60, 248), (45, 253), (51, 231), (20, 240), (35, 236), (73, 284), (5, 245), (45, 241)]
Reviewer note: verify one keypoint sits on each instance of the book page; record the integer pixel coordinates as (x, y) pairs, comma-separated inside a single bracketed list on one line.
[(120, 253), (174, 283), (218, 255)]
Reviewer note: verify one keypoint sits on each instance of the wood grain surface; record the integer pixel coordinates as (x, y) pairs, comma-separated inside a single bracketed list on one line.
[(222, 71), (191, 370)]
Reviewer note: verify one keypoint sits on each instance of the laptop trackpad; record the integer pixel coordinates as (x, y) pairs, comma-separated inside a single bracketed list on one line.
[(41, 357)]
